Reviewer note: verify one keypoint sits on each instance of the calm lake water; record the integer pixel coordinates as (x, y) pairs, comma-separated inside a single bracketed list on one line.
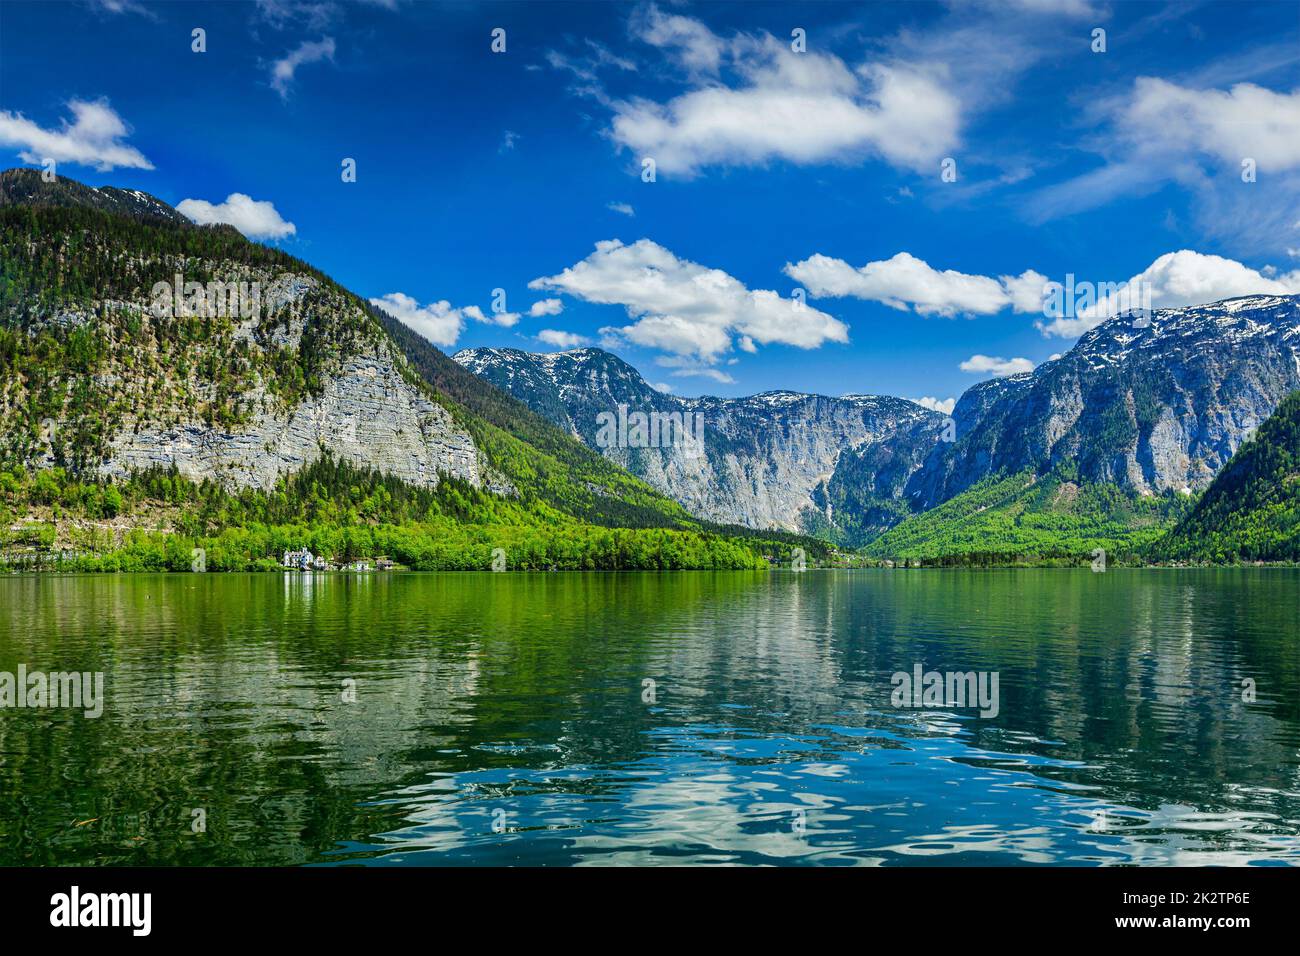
[(506, 719)]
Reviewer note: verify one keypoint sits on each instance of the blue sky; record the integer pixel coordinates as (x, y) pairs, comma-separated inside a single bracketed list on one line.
[(779, 172)]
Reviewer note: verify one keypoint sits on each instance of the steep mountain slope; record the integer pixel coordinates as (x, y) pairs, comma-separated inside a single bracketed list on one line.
[(541, 458), (131, 339), (1251, 511), (1147, 407), (134, 341), (769, 460), (865, 495)]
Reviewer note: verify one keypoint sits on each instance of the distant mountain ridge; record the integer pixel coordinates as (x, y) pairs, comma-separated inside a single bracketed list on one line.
[(1150, 405), (1147, 406), (768, 460)]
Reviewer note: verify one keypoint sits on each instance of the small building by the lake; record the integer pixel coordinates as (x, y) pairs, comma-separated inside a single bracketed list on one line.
[(299, 560)]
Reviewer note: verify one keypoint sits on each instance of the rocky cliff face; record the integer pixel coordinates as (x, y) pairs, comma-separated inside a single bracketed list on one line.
[(1251, 511), (1151, 406), (131, 339), (362, 407), (765, 461), (365, 413)]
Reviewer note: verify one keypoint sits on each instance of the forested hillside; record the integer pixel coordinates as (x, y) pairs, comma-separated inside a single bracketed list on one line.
[(1251, 512), (1052, 519), (159, 521)]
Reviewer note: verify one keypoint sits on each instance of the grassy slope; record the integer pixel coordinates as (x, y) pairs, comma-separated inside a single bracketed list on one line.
[(1007, 518)]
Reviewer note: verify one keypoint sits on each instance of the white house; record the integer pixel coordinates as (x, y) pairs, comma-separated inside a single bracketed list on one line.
[(300, 560)]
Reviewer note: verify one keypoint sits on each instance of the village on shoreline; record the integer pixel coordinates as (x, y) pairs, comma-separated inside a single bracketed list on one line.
[(303, 560)]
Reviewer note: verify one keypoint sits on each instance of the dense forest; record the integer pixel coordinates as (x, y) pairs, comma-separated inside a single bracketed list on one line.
[(1251, 512), (336, 510)]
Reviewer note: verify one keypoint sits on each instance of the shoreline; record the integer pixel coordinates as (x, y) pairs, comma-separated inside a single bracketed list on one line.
[(335, 573)]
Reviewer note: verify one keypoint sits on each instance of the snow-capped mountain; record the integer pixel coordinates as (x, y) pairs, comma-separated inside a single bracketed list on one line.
[(1149, 404), (766, 460), (27, 187)]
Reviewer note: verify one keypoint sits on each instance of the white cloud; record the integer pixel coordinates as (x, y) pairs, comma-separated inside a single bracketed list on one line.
[(1158, 132), (799, 107), (1025, 291), (693, 44), (561, 339), (685, 308), (945, 405), (93, 138), (508, 140), (586, 64), (621, 207), (691, 368), (123, 6), (546, 307), (1190, 278), (504, 319), (1243, 121), (313, 15), (1179, 279), (283, 70), (905, 282), (255, 219), (716, 374), (1066, 8), (666, 387), (438, 322), (997, 367), (601, 56), (748, 99)]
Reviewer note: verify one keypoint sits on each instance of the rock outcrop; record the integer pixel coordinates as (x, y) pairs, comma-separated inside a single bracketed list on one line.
[(765, 461), (134, 339), (366, 412), (1151, 405)]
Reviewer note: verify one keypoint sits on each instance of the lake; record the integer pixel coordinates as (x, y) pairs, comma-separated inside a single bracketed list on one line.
[(563, 719)]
